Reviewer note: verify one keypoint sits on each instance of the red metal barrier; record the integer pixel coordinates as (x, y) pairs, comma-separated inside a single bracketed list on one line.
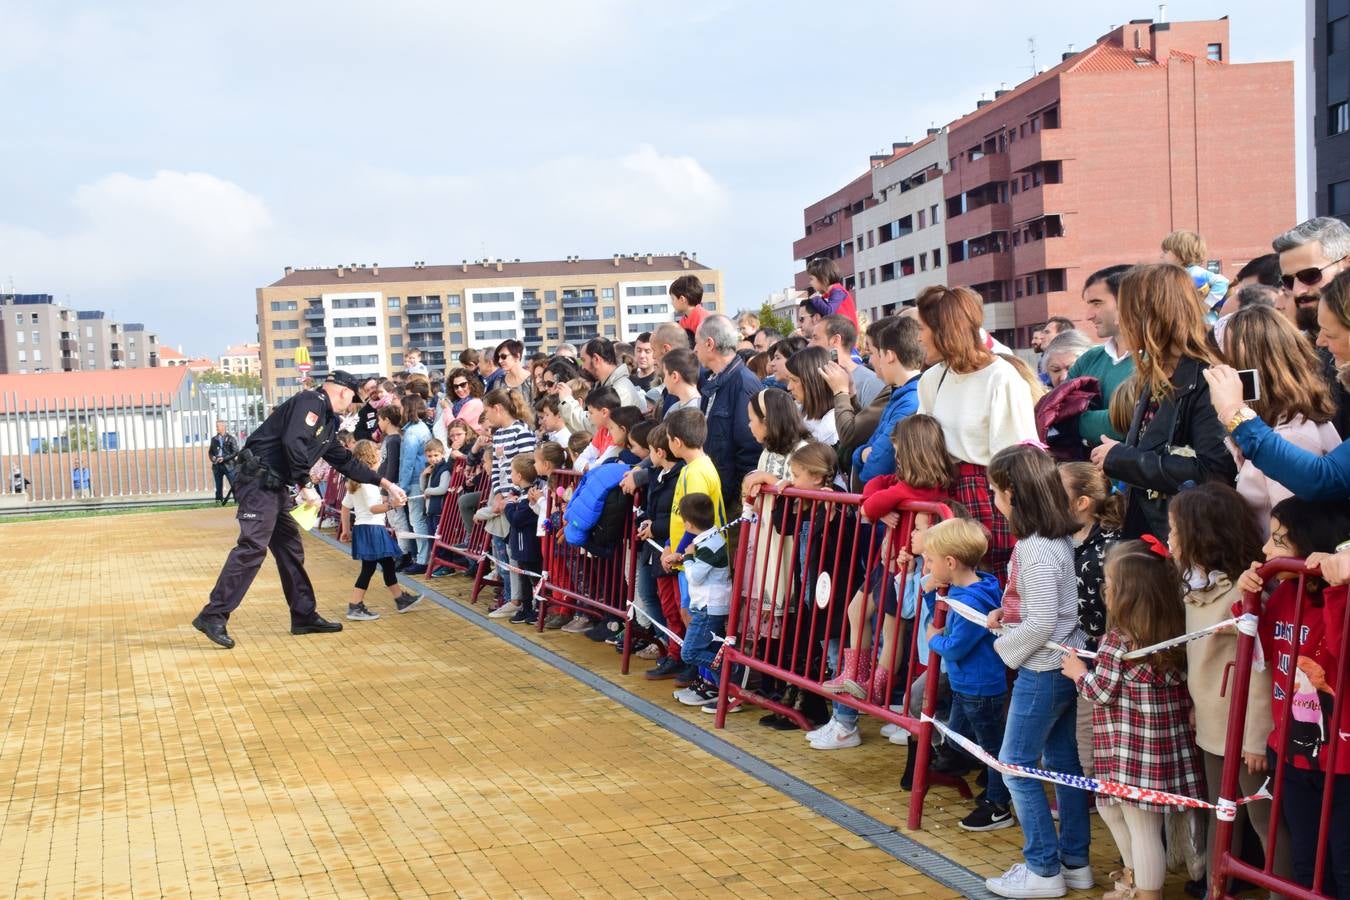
[(796, 573), (1285, 671), (333, 489), (454, 550), (581, 581)]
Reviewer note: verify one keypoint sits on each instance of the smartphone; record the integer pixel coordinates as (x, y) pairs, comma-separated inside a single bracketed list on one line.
[(1251, 384)]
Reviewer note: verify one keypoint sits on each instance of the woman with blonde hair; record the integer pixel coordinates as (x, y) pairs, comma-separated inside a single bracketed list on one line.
[(981, 401), (1175, 438), (1295, 398)]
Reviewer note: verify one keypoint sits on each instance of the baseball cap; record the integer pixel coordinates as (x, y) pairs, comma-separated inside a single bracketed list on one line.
[(345, 379)]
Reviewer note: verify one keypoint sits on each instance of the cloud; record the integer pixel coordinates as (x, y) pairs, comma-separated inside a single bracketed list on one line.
[(127, 229)]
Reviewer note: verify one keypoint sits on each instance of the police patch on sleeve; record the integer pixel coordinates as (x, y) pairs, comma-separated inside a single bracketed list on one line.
[(311, 419)]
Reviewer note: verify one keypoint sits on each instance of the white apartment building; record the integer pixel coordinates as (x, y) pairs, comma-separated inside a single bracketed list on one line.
[(900, 244)]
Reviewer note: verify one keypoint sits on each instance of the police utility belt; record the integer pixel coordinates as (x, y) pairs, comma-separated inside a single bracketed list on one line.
[(249, 466)]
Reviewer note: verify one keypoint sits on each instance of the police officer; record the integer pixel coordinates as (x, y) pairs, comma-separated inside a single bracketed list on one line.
[(277, 458)]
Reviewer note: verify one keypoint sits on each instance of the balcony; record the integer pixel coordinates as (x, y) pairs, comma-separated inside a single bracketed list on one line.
[(436, 343), (823, 237), (70, 364), (317, 352), (532, 321), (316, 332), (1045, 144), (529, 303), (425, 326), (413, 309), (1041, 200), (70, 346), (981, 269), (979, 221), (314, 313), (116, 354), (991, 167), (584, 302), (319, 370)]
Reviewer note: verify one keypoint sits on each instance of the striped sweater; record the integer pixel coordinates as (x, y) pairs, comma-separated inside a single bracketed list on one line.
[(1040, 604), (507, 444)]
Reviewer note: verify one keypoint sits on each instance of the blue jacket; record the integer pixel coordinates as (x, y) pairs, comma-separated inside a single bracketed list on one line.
[(973, 667), (413, 457), (881, 461), (1310, 477), (588, 500), (730, 443), (522, 540)]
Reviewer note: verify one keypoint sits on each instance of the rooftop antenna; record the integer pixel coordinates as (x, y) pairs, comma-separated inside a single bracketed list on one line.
[(1031, 47), (1162, 12)]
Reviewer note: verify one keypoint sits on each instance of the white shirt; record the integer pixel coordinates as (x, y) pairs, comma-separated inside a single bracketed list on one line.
[(823, 429), (361, 500), (980, 412)]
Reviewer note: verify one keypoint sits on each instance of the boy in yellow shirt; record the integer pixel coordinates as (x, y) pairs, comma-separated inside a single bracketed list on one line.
[(686, 430)]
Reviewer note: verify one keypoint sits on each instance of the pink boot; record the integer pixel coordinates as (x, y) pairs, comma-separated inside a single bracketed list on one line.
[(853, 675), (881, 689)]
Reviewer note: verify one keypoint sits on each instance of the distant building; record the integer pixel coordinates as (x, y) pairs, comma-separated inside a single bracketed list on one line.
[(37, 334), (169, 356), (363, 318), (1329, 87), (241, 359), (1089, 163), (199, 364)]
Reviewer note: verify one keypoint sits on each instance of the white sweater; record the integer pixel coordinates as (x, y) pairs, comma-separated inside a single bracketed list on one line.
[(981, 412)]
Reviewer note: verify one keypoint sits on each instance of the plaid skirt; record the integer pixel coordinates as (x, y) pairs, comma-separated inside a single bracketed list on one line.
[(972, 491)]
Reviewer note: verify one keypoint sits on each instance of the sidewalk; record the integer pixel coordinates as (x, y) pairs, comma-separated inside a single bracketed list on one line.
[(413, 756)]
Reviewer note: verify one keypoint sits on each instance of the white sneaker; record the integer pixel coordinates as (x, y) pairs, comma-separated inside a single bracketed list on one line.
[(691, 696), (900, 736), (1079, 879), (1019, 881), (836, 737), (505, 611), (814, 732)]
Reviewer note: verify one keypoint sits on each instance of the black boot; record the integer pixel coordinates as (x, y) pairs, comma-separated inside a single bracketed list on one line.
[(907, 779)]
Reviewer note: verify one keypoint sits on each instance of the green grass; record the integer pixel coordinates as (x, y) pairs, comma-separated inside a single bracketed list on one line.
[(89, 513)]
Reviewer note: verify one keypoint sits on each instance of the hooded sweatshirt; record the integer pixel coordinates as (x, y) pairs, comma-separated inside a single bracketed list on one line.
[(973, 668)]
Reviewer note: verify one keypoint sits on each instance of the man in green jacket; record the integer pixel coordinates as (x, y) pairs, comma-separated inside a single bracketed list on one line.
[(1109, 363)]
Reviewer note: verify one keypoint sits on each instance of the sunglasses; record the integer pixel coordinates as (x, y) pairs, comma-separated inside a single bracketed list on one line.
[(460, 384), (503, 357), (1308, 277), (550, 384)]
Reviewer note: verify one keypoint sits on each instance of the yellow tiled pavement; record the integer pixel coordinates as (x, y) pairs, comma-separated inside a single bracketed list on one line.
[(412, 756)]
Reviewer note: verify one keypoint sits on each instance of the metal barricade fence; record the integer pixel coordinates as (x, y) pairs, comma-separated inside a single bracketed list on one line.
[(583, 581), (803, 559), (333, 489), (453, 549), (1319, 628)]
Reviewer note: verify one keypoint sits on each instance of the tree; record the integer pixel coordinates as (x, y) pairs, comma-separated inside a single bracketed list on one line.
[(242, 380), (81, 438), (770, 319)]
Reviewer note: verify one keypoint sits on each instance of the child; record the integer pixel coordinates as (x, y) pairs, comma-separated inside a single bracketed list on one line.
[(686, 297), (458, 437), (435, 483), (706, 566), (1100, 513), (525, 550), (1187, 249), (577, 445), (639, 442), (548, 458), (1210, 561), (1300, 528), (1141, 732), (601, 403), (512, 434), (924, 472), (371, 542), (619, 423), (391, 447), (551, 422), (830, 297), (655, 528), (978, 679), (1041, 601)]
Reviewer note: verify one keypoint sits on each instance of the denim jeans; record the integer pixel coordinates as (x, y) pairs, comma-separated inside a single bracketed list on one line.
[(981, 720), (648, 601), (1041, 732), (1300, 810), (499, 551), (417, 517), (699, 647), (843, 713)]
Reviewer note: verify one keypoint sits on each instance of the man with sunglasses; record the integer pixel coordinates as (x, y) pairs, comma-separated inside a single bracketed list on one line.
[(1311, 254)]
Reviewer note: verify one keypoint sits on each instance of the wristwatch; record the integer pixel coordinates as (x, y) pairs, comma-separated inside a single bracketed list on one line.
[(1243, 414)]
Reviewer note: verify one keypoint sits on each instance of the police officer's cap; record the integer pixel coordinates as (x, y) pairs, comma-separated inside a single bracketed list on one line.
[(345, 379)]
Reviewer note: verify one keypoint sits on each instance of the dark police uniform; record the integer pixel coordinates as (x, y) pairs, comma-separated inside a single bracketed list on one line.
[(276, 457)]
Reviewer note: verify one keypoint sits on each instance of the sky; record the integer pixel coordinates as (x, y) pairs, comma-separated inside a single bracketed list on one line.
[(163, 160)]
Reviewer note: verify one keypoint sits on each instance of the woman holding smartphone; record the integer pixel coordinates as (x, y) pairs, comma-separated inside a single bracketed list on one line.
[(1175, 438), (1305, 473), (1289, 392)]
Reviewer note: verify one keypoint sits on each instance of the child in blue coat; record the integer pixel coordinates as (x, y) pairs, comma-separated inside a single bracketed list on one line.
[(978, 678)]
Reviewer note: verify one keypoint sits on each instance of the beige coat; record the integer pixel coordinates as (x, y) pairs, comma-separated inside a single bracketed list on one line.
[(1209, 672)]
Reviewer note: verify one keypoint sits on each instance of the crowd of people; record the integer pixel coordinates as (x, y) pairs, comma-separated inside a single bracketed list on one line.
[(1116, 491)]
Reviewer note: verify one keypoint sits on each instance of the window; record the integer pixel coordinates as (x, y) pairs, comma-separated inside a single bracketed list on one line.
[(89, 332), (649, 309), (608, 312), (496, 335), (23, 356), (18, 320), (455, 319), (495, 297), (356, 322), (932, 214), (1338, 31), (433, 300), (456, 337), (862, 279), (360, 340), (611, 331), (362, 360), (395, 321), (286, 344), (923, 219), (285, 305), (393, 303), (396, 360), (494, 315), (452, 301), (650, 290), (19, 336), (37, 355), (285, 324), (1013, 185), (551, 315), (923, 262), (37, 337), (34, 318), (607, 293), (550, 296), (937, 259), (1338, 198), (89, 348), (395, 340), (353, 303), (1338, 118), (709, 287), (133, 355)]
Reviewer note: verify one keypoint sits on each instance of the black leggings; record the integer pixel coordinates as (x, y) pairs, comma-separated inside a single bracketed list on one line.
[(368, 569)]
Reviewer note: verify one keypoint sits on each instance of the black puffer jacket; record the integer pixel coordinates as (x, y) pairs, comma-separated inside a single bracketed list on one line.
[(1181, 446)]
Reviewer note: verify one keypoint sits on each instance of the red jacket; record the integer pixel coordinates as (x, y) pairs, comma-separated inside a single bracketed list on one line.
[(1307, 669), (884, 494), (835, 301)]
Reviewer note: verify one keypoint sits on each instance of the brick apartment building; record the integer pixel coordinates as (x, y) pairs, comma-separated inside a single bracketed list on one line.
[(1093, 161), (37, 334), (1329, 87), (829, 228), (364, 318)]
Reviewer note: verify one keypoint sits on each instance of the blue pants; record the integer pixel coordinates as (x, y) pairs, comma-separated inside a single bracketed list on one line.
[(981, 720), (499, 548), (417, 518), (699, 647), (1302, 801), (1042, 732), (648, 601)]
